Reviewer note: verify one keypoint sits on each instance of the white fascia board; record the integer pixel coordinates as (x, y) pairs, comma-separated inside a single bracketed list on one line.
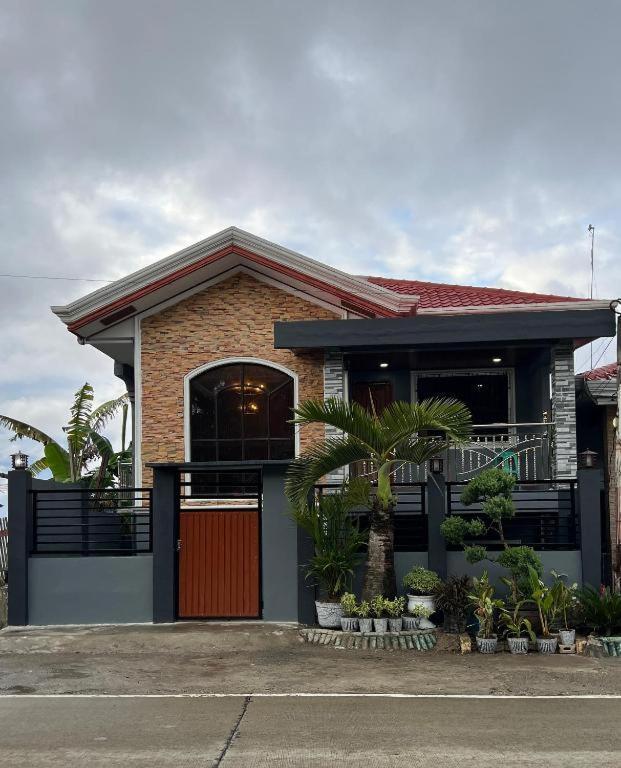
[(231, 237), (534, 307)]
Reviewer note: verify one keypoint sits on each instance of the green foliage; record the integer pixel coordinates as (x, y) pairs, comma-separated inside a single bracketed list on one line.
[(349, 604), (544, 598), (363, 609), (600, 610), (337, 539), (394, 608), (484, 604), (420, 611), (487, 485), (378, 605), (517, 560), (85, 444), (475, 553), (455, 529), (421, 581), (566, 597), (451, 596), (514, 623)]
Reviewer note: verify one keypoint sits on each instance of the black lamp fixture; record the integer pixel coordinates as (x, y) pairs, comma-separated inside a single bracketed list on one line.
[(588, 458), (19, 460), (436, 465)]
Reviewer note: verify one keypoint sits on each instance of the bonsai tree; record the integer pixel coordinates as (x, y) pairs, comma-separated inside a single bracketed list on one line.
[(451, 597), (493, 488), (337, 539), (72, 463), (403, 432), (485, 605), (421, 581)]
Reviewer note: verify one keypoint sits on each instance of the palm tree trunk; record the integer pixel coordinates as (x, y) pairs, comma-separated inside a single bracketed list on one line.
[(379, 576)]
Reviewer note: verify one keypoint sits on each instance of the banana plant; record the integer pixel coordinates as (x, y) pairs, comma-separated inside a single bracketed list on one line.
[(85, 443)]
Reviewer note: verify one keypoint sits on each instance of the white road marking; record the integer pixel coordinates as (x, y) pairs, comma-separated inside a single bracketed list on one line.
[(293, 695)]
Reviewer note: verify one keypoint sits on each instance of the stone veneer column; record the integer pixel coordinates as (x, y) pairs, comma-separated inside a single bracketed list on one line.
[(334, 386), (564, 410)]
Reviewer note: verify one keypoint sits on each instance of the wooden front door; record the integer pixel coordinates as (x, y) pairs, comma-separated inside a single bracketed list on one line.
[(219, 563)]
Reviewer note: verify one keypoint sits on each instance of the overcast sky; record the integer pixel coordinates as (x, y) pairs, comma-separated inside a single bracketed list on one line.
[(467, 142)]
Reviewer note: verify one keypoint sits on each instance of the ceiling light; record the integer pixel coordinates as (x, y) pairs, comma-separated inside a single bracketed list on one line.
[(383, 365), (496, 359)]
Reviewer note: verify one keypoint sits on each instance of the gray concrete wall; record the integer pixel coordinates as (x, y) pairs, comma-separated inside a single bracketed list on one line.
[(90, 590), (568, 562)]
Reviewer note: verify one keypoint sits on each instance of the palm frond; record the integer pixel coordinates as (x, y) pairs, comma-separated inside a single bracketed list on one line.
[(305, 471), (22, 429), (350, 418), (38, 466), (106, 411), (402, 421)]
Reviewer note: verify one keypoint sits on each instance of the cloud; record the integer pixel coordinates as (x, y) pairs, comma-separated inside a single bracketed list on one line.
[(442, 141)]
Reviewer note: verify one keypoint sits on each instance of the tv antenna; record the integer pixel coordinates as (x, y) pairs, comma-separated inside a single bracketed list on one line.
[(591, 231)]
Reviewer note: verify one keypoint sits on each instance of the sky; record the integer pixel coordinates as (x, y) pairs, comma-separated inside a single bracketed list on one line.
[(469, 142)]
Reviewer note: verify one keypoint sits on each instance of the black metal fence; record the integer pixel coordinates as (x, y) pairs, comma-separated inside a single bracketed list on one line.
[(207, 485), (545, 515), (77, 521), (411, 528)]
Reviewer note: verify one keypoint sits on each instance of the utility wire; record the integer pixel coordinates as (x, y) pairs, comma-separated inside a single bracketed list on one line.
[(50, 277)]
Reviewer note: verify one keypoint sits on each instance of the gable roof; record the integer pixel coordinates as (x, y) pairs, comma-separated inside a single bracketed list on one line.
[(212, 259), (603, 373), (444, 295)]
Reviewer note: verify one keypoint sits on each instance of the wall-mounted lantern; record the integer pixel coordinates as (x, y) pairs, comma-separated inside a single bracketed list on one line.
[(436, 465), (588, 458)]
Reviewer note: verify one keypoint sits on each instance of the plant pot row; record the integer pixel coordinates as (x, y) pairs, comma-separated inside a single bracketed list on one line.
[(380, 626), (520, 645)]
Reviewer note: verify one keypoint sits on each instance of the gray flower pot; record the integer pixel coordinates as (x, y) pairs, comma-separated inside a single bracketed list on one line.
[(547, 644), (611, 646), (349, 624), (366, 625), (381, 625), (329, 614), (395, 624), (518, 644), (409, 622), (487, 644), (567, 636)]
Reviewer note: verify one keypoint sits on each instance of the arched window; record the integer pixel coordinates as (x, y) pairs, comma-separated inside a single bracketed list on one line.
[(240, 412)]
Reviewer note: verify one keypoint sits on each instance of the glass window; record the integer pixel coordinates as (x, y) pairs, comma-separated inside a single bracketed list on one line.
[(241, 412)]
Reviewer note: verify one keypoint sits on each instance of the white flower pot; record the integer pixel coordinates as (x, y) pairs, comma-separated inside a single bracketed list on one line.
[(410, 622), (329, 615), (349, 624), (426, 601), (487, 644), (518, 644), (567, 636), (381, 625), (547, 644), (395, 624), (366, 625)]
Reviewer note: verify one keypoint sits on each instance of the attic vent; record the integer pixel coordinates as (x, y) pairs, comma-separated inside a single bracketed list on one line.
[(120, 315)]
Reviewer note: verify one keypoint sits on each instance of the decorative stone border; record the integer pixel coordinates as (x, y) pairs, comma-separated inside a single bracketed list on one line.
[(414, 640)]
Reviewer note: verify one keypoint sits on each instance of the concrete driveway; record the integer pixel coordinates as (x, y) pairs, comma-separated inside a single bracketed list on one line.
[(254, 695)]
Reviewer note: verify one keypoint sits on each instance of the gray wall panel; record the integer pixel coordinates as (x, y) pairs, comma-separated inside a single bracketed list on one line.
[(90, 590)]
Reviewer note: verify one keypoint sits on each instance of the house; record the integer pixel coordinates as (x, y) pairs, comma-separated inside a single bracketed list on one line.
[(596, 409), (219, 341)]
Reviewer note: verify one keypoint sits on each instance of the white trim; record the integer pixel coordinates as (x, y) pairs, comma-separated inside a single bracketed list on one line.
[(440, 372), (137, 403), (232, 361), (484, 309)]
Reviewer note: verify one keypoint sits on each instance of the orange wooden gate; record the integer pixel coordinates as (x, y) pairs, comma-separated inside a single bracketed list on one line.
[(219, 563)]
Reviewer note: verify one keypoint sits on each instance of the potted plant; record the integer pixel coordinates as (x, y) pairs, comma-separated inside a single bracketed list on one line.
[(380, 623), (349, 621), (451, 597), (414, 617), (485, 605), (394, 609), (518, 629), (421, 583), (566, 602), (601, 612), (338, 546), (363, 609), (544, 598)]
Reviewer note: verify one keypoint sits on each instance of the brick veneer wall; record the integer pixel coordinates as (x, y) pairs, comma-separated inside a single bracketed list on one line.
[(232, 319), (564, 410), (611, 476)]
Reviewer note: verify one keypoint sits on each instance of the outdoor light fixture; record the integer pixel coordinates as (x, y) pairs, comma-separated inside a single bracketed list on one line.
[(496, 359), (436, 465), (19, 460), (383, 365), (588, 458)]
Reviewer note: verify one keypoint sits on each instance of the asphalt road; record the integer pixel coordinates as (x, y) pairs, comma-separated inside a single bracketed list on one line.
[(345, 731)]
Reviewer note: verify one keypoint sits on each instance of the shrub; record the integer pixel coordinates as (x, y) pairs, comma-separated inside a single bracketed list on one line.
[(484, 604), (420, 611), (363, 609), (517, 560), (421, 581), (451, 596), (378, 605), (514, 623), (348, 604), (394, 608), (600, 611)]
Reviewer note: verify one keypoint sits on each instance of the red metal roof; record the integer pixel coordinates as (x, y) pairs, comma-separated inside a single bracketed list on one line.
[(605, 372), (442, 295)]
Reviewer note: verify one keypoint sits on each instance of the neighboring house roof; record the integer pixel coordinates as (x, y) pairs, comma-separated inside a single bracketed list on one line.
[(599, 384), (232, 250), (444, 295)]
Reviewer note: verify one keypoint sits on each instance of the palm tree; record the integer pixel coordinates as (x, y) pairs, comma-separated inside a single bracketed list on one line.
[(85, 443), (402, 433)]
